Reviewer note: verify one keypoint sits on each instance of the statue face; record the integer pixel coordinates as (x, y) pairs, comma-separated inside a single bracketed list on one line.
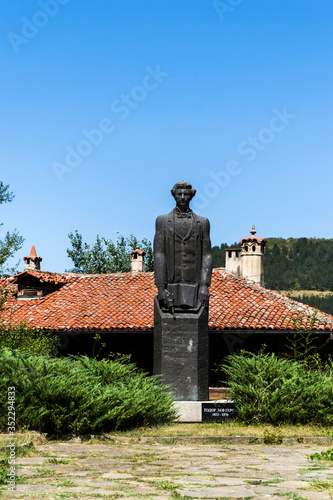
[(183, 197)]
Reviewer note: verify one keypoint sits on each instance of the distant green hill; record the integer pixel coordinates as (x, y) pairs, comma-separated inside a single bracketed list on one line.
[(219, 254), (292, 264), (322, 302)]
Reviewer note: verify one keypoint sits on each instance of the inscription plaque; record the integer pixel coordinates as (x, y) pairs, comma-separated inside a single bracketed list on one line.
[(218, 412)]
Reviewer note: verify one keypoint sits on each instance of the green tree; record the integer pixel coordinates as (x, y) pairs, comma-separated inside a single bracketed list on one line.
[(12, 242), (302, 343), (24, 338), (218, 253), (104, 256)]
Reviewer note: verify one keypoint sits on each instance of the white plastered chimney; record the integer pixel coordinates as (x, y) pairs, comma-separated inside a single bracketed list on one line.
[(248, 260), (138, 260)]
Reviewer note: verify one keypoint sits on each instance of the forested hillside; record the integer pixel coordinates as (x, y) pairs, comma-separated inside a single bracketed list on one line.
[(323, 302), (292, 264)]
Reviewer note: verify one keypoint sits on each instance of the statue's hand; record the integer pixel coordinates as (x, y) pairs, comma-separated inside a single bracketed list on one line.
[(204, 295), (165, 298)]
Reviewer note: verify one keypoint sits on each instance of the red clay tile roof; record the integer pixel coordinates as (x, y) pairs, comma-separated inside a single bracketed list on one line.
[(124, 301), (45, 277), (236, 303)]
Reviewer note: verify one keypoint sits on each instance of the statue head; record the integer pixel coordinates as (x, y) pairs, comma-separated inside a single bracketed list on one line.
[(183, 185), (183, 193)]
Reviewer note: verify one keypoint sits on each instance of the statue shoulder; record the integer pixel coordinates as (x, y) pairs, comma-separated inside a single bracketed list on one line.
[(202, 220), (162, 219)]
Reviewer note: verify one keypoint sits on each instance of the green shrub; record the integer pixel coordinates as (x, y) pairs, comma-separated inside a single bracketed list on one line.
[(323, 455), (302, 340), (273, 390), (271, 438), (78, 395), (23, 338)]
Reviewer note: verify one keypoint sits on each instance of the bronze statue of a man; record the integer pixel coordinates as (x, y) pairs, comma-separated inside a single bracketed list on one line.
[(182, 254)]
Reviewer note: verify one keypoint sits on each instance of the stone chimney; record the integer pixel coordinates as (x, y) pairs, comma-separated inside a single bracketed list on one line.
[(138, 260), (32, 263), (247, 261), (232, 261), (252, 257)]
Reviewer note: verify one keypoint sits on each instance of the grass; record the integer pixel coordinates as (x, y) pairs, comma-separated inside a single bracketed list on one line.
[(269, 482), (21, 450), (318, 485), (164, 485), (66, 483), (22, 447), (59, 461), (69, 494), (271, 438), (175, 430), (299, 293), (45, 471), (312, 468), (214, 430), (3, 472), (291, 496), (177, 496), (24, 441)]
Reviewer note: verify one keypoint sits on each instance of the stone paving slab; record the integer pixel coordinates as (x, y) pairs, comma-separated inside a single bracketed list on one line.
[(218, 492), (116, 475), (153, 471)]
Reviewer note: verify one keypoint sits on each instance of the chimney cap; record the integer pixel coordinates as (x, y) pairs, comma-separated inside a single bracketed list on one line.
[(138, 251), (253, 237), (33, 255), (32, 263)]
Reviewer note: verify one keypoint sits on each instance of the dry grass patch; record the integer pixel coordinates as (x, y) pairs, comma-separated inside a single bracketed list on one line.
[(224, 429)]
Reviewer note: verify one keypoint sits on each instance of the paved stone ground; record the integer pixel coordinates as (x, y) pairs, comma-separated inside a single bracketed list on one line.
[(132, 469)]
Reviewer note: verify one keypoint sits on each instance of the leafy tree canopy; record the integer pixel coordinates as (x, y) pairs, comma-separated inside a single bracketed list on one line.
[(11, 242), (104, 256)]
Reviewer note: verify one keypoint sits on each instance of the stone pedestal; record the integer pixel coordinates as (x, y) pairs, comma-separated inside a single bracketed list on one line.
[(181, 352)]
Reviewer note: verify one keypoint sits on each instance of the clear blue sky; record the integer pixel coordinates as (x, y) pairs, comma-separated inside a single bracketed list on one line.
[(233, 96)]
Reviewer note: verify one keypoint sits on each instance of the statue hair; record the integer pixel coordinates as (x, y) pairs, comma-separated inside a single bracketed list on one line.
[(183, 185)]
